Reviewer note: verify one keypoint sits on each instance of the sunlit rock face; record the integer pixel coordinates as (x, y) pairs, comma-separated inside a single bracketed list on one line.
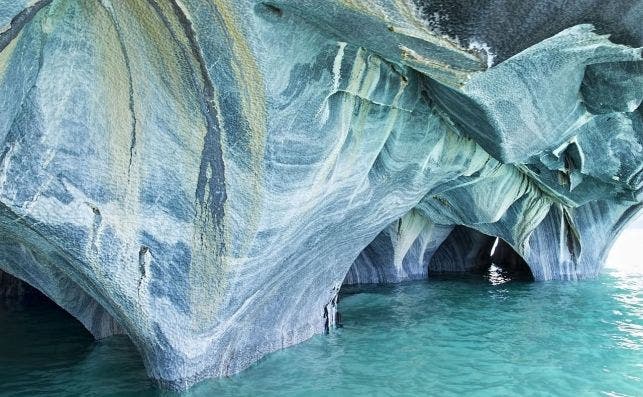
[(201, 175)]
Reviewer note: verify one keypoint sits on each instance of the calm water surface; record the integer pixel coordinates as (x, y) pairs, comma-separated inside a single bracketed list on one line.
[(447, 337)]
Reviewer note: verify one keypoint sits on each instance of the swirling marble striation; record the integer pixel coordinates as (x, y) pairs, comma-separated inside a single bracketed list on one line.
[(203, 176)]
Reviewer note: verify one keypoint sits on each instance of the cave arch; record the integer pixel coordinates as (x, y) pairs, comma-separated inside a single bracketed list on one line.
[(26, 272), (71, 299), (504, 257), (413, 247), (401, 252), (17, 295), (467, 250)]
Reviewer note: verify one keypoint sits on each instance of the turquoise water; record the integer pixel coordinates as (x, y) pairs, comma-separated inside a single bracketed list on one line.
[(446, 337)]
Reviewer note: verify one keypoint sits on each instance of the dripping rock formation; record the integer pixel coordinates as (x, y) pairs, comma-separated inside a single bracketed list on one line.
[(205, 175)]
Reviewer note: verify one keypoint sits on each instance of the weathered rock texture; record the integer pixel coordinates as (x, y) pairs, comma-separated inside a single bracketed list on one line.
[(201, 174)]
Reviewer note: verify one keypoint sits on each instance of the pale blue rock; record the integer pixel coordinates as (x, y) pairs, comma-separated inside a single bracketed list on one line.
[(203, 176), (400, 252)]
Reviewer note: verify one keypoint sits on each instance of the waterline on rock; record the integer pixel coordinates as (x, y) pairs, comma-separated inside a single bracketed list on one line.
[(447, 336)]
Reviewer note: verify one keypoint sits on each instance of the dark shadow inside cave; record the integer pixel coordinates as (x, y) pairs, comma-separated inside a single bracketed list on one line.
[(507, 262), (18, 296), (467, 251), (38, 336), (41, 340), (13, 290), (36, 332), (466, 254)]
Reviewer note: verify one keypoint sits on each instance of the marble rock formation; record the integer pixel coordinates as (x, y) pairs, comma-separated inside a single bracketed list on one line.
[(201, 174)]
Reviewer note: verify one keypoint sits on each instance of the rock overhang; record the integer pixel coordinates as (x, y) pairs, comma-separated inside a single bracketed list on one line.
[(202, 175)]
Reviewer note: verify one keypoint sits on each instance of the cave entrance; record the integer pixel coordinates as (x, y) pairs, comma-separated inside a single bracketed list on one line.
[(458, 251), (468, 251), (23, 305), (36, 333), (39, 338), (507, 264), (623, 255), (12, 288)]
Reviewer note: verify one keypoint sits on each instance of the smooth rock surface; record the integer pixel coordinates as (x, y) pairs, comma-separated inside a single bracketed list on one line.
[(201, 175)]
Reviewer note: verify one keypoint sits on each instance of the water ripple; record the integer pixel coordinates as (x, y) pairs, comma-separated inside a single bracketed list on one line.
[(448, 337)]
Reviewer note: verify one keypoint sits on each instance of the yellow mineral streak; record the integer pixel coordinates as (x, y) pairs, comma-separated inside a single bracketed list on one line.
[(114, 71), (366, 7), (253, 102), (409, 31), (442, 72)]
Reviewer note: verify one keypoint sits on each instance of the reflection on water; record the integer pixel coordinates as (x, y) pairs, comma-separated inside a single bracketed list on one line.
[(630, 299), (448, 337), (496, 276)]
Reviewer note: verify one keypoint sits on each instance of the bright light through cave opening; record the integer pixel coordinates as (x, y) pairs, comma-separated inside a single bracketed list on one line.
[(495, 245), (496, 275), (624, 256)]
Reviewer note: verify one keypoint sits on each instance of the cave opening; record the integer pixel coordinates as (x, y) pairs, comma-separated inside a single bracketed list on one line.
[(41, 340), (36, 332), (447, 252), (14, 289), (467, 252), (19, 298), (73, 341), (458, 258), (507, 264)]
